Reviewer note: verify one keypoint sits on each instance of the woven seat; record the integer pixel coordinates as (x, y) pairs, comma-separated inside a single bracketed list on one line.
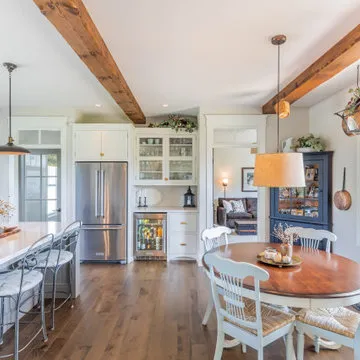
[(339, 320), (65, 257), (272, 319), (10, 282)]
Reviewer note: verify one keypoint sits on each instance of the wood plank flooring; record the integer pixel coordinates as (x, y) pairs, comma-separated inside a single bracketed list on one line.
[(143, 311)]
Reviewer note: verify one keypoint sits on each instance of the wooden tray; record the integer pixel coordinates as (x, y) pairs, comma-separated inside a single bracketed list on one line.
[(8, 233), (295, 261)]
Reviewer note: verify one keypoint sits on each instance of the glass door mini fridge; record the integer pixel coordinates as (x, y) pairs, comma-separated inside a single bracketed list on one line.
[(150, 236)]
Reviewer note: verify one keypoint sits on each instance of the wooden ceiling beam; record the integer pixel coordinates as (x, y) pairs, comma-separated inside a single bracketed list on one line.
[(341, 55), (74, 23)]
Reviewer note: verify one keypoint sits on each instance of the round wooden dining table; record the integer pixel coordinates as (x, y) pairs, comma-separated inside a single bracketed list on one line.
[(322, 280)]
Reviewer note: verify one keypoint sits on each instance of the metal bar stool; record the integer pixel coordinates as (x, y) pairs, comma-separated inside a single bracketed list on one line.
[(62, 253), (23, 280)]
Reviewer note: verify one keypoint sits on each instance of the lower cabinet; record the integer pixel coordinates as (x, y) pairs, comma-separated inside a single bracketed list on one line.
[(182, 235)]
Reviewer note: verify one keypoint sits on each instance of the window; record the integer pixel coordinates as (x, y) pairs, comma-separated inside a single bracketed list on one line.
[(40, 188)]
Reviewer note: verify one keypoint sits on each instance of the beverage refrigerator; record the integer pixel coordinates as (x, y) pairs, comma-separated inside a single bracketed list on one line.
[(150, 236)]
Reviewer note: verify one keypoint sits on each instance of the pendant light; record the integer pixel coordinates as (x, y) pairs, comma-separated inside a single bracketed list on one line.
[(10, 148), (279, 169)]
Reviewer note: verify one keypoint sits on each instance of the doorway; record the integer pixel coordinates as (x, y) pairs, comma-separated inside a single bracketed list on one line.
[(40, 186)]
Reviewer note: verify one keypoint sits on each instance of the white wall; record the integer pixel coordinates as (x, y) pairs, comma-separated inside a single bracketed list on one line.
[(324, 123), (228, 163), (296, 125)]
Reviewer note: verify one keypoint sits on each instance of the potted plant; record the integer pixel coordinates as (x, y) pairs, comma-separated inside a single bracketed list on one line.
[(309, 143), (176, 122)]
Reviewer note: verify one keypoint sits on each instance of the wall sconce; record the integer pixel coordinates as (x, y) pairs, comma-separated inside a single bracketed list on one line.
[(225, 182)]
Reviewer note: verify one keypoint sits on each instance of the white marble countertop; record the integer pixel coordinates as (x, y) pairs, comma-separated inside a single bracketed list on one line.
[(13, 246), (165, 209)]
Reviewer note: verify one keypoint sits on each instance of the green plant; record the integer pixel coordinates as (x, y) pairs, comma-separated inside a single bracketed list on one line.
[(176, 122), (352, 106), (310, 141)]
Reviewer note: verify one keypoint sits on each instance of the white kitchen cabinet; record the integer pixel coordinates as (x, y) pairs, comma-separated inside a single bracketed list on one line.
[(101, 145), (165, 158), (182, 235)]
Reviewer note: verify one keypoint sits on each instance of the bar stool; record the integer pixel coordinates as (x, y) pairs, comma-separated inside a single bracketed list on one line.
[(23, 280), (62, 253)]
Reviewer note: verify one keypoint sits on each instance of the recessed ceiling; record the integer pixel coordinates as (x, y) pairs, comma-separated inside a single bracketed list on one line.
[(184, 54)]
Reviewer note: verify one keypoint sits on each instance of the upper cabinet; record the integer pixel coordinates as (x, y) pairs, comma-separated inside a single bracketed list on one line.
[(165, 158), (100, 145)]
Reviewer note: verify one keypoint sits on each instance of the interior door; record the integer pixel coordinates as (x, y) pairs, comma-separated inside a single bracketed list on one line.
[(40, 186)]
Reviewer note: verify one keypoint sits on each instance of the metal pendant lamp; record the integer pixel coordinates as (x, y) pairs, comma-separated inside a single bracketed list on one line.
[(279, 169), (10, 148)]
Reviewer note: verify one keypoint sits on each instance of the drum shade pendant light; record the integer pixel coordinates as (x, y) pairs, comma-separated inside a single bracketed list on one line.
[(279, 169), (10, 148)]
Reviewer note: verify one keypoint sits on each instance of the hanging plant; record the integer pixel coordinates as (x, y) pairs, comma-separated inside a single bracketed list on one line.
[(352, 106), (176, 122)]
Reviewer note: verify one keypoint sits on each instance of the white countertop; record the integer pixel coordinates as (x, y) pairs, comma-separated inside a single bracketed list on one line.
[(165, 209), (13, 246)]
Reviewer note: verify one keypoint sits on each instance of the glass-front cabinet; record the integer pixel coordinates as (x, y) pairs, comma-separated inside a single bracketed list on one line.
[(309, 206), (164, 159)]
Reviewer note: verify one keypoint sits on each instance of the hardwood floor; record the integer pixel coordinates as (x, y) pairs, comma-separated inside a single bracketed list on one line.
[(146, 310)]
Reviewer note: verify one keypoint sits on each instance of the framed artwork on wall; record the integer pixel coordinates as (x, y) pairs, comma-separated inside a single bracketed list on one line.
[(247, 180)]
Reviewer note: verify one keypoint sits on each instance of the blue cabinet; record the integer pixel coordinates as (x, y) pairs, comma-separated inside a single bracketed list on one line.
[(310, 206)]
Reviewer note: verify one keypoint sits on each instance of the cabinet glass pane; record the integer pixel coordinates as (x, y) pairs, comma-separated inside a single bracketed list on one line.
[(151, 147), (302, 201), (150, 169), (149, 234), (28, 137), (180, 169), (181, 147)]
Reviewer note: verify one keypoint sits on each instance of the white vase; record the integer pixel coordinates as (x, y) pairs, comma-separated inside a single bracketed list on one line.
[(304, 149)]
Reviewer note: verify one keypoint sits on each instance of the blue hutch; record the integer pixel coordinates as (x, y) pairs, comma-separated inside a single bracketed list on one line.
[(310, 206)]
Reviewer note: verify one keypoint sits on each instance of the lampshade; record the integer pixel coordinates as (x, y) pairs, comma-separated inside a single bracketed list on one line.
[(283, 108), (11, 149), (279, 170)]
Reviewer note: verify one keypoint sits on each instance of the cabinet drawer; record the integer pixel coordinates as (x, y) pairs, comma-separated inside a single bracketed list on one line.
[(183, 222), (182, 244)]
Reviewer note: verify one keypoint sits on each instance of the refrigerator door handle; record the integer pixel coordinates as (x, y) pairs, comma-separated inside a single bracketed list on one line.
[(97, 178), (102, 193)]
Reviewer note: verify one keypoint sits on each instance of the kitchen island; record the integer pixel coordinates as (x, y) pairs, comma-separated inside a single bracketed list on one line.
[(13, 247)]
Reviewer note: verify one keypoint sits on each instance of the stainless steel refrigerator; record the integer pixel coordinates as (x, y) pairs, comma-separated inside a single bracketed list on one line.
[(101, 204)]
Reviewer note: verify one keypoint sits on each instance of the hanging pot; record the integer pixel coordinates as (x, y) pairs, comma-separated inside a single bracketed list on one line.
[(351, 123), (342, 198)]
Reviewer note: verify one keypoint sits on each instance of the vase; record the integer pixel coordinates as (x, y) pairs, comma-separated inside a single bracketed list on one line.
[(286, 250), (305, 149)]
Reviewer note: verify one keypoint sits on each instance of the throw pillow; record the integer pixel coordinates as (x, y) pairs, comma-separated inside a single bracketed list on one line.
[(238, 206), (227, 206)]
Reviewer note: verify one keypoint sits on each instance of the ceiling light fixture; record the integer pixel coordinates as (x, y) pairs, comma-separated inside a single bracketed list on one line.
[(279, 169), (98, 105), (10, 148), (165, 105)]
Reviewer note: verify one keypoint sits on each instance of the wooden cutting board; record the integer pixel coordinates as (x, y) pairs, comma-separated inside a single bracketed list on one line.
[(8, 233)]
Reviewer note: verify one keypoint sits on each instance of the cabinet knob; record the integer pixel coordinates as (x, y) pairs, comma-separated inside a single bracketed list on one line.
[(183, 223), (166, 179), (182, 244), (102, 154)]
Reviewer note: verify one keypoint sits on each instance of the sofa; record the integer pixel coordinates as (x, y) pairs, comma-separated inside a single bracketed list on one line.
[(228, 219)]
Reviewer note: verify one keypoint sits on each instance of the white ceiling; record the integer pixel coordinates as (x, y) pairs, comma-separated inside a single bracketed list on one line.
[(185, 53)]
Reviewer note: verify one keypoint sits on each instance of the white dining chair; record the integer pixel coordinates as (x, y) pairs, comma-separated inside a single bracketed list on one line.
[(339, 325), (213, 237), (312, 238), (239, 311)]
